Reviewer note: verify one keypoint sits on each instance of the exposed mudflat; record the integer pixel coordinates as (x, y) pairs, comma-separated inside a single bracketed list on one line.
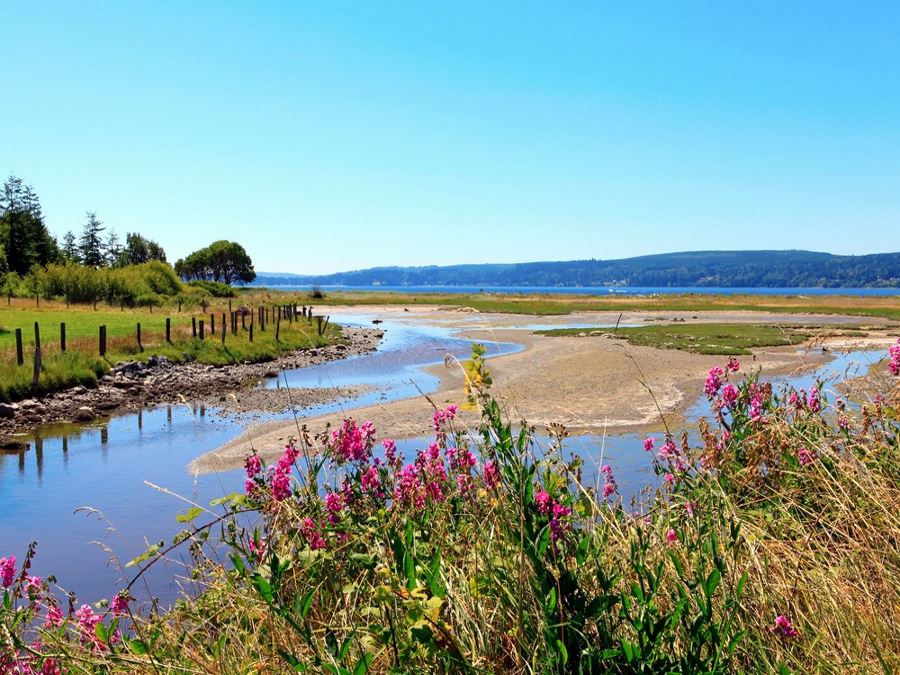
[(588, 384)]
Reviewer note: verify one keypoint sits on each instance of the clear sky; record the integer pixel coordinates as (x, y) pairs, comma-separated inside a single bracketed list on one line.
[(330, 136)]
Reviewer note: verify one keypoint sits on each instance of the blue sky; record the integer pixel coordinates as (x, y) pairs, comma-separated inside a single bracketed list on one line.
[(332, 136)]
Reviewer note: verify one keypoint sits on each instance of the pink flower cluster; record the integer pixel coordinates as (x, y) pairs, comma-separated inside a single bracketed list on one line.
[(442, 416), (7, 571), (353, 442), (609, 482), (312, 534), (714, 381), (783, 627), (894, 353), (805, 457), (671, 537), (672, 455), (547, 506), (280, 479)]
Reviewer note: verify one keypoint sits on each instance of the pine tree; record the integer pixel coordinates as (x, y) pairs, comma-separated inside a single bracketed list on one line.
[(70, 248), (22, 231), (92, 250), (113, 249)]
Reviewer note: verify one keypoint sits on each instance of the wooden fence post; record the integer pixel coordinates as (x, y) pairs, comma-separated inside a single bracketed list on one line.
[(194, 326), (212, 324), (62, 336), (103, 340), (138, 333), (319, 326), (224, 328), (202, 331), (251, 331), (168, 330), (277, 328), (20, 356), (243, 321), (37, 354)]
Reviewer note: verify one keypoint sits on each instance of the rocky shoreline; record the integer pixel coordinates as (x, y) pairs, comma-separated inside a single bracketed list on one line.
[(133, 384)]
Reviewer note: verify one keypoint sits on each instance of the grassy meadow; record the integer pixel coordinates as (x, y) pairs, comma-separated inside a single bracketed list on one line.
[(82, 364)]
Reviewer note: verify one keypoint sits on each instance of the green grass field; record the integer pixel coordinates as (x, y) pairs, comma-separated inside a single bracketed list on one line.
[(82, 364), (698, 338)]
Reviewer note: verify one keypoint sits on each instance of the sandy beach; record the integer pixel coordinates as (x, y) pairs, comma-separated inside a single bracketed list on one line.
[(589, 384)]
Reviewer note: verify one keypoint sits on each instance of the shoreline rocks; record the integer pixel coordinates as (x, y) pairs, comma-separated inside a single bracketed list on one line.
[(131, 385)]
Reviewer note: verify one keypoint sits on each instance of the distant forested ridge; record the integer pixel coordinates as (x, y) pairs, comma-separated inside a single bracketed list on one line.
[(776, 269)]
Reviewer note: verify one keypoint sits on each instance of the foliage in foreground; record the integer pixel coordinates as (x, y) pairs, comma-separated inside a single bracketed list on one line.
[(772, 545)]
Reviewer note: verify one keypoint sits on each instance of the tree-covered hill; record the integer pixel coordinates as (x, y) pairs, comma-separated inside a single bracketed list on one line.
[(691, 268)]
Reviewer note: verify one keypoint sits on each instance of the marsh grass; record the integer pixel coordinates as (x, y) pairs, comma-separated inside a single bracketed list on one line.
[(698, 338)]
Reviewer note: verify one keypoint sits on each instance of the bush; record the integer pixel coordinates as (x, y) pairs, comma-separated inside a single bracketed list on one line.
[(214, 288)]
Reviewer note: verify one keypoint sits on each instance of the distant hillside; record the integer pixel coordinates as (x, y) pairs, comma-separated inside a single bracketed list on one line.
[(693, 268)]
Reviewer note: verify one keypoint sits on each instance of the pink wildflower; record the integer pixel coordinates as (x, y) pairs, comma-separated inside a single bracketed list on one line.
[(54, 617), (843, 422), (333, 505), (609, 481), (442, 416), (805, 457), (33, 587), (543, 501), (690, 507), (730, 395), (713, 381), (733, 365), (557, 526), (252, 465), (258, 550), (491, 474), (814, 403), (87, 622), (371, 481), (648, 444), (671, 537), (312, 534), (119, 604), (894, 352), (783, 627), (352, 442), (669, 478), (7, 570)]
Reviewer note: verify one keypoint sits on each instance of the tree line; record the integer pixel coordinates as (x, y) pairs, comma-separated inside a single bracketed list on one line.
[(31, 258)]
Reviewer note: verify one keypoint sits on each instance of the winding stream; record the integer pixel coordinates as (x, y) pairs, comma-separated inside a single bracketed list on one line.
[(82, 492)]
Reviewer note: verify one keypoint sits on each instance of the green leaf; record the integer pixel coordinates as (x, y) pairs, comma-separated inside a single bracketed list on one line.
[(362, 666), (192, 513), (151, 551), (264, 587), (550, 601), (712, 582), (563, 652), (136, 647), (742, 582)]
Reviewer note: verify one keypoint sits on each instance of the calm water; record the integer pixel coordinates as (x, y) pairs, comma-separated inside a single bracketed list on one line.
[(604, 290), (105, 467)]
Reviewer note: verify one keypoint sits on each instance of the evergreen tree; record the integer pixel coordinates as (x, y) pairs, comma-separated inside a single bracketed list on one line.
[(92, 249), (113, 250), (22, 231), (70, 248)]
